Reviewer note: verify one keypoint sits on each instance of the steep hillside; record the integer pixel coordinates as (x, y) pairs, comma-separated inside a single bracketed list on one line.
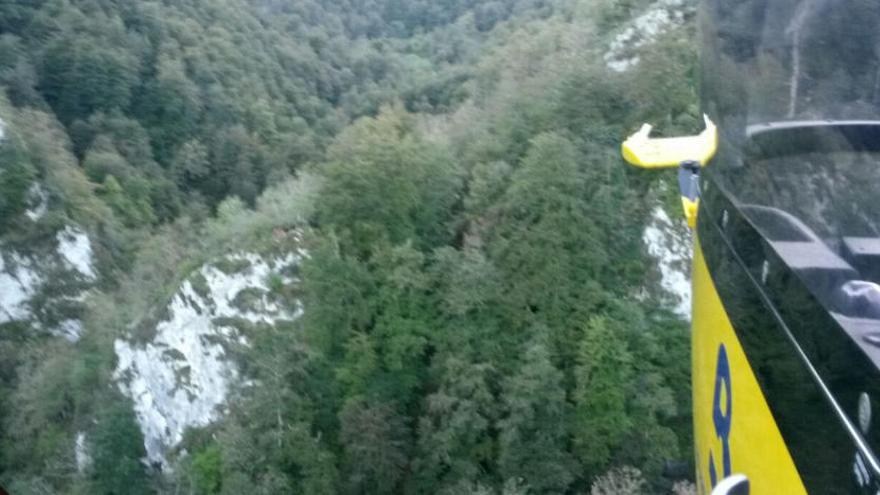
[(370, 247)]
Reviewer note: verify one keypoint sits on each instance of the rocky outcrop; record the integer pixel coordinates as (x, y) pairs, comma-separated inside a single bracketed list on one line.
[(182, 376), (24, 276), (662, 16), (670, 244)]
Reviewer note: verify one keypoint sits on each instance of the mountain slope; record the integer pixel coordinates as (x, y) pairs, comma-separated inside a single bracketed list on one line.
[(337, 247)]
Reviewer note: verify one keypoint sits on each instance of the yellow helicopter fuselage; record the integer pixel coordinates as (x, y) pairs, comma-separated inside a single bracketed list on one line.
[(734, 430)]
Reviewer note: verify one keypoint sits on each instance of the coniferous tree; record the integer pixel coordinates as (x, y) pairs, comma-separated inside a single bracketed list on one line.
[(533, 434)]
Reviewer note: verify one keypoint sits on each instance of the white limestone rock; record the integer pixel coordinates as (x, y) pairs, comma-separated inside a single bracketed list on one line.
[(181, 377), (75, 249), (23, 276), (38, 202), (662, 16), (670, 244), (19, 282), (81, 453)]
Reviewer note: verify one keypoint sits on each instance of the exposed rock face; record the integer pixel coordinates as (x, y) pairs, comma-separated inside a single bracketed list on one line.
[(76, 251), (38, 202), (662, 16), (182, 376), (19, 282), (43, 286), (69, 268), (670, 244), (81, 453)]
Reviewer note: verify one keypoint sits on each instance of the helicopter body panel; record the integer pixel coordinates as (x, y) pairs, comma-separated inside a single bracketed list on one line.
[(734, 430)]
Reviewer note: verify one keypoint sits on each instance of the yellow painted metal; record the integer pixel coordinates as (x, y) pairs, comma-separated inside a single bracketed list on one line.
[(755, 445), (690, 210), (643, 151)]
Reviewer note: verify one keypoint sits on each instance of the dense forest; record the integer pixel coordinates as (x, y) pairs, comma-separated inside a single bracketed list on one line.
[(472, 309)]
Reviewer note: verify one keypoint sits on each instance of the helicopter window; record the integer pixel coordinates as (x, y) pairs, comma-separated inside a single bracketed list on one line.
[(819, 212), (790, 276), (791, 225)]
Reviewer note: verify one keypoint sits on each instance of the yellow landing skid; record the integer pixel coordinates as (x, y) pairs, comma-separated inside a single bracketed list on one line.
[(684, 152), (644, 151)]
